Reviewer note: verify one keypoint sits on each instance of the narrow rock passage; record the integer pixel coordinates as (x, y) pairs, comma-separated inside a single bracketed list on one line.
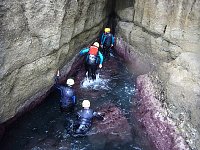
[(112, 93)]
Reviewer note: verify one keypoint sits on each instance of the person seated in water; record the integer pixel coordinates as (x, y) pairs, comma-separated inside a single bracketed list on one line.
[(67, 94), (94, 58), (84, 118)]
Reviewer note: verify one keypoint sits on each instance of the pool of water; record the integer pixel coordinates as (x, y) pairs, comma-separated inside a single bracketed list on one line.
[(44, 126)]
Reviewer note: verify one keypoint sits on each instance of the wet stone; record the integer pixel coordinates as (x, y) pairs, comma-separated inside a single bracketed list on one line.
[(113, 129), (158, 126)]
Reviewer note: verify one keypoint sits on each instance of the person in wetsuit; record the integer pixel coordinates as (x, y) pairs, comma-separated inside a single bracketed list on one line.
[(94, 58), (84, 119), (66, 94), (107, 42)]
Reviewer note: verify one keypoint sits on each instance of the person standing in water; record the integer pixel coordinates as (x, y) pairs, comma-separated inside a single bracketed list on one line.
[(107, 42), (66, 93), (94, 59)]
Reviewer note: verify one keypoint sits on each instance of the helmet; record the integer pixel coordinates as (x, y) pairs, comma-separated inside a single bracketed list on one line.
[(107, 30), (86, 103), (96, 44), (70, 82)]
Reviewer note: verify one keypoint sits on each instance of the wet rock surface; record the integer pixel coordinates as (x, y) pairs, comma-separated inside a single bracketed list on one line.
[(114, 129), (161, 129), (137, 63)]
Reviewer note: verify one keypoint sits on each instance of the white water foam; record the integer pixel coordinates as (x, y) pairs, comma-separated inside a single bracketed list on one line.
[(97, 84)]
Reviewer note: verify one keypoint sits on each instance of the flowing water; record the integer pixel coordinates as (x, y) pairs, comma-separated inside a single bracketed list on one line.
[(44, 126)]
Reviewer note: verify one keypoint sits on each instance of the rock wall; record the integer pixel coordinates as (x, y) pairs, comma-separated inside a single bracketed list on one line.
[(36, 39), (165, 35)]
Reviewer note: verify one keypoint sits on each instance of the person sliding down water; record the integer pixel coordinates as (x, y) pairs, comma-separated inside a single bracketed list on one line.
[(93, 59), (67, 94), (84, 119), (107, 42)]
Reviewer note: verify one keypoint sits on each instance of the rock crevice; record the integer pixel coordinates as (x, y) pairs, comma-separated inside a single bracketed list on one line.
[(39, 37)]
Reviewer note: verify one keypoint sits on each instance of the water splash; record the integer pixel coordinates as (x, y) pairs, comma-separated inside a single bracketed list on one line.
[(113, 85), (97, 84)]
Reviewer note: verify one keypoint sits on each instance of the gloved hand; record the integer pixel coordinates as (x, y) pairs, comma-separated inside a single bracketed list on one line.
[(100, 65), (56, 78), (58, 73), (101, 115)]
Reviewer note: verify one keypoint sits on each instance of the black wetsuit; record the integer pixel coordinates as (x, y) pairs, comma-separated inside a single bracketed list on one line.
[(107, 40), (84, 122), (67, 97), (92, 62), (91, 66)]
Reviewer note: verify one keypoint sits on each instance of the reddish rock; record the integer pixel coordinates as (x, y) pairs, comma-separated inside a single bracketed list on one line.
[(113, 129), (136, 63), (158, 126)]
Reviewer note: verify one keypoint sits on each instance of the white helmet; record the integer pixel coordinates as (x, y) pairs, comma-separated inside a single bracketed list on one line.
[(70, 82), (96, 44), (86, 103)]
